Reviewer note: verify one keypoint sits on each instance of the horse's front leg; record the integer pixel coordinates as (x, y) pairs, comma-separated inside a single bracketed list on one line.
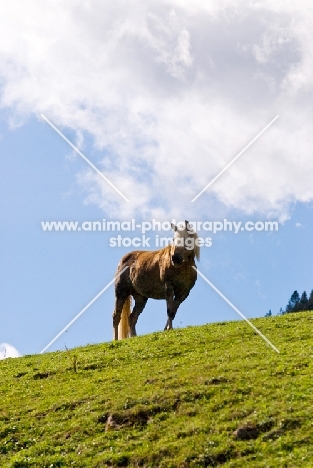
[(171, 305)]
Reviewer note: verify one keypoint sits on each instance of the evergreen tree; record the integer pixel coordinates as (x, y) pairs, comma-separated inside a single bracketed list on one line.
[(294, 302), (310, 301), (268, 314), (303, 305)]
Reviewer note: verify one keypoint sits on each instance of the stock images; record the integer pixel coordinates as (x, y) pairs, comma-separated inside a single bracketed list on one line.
[(156, 224)]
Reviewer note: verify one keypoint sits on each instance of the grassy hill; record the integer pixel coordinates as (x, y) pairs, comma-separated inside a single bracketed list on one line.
[(215, 395)]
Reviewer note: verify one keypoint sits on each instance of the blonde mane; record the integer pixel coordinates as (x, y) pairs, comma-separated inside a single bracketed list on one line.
[(196, 248)]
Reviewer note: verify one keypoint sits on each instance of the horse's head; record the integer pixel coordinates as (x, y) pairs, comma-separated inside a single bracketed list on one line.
[(184, 247)]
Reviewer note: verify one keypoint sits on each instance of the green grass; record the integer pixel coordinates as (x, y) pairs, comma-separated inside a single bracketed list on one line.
[(170, 399)]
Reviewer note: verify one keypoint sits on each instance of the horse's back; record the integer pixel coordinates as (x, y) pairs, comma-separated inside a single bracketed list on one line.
[(144, 258), (145, 271)]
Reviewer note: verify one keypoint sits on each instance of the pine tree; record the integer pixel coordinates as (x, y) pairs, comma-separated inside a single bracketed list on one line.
[(268, 314), (293, 304), (310, 301), (303, 305)]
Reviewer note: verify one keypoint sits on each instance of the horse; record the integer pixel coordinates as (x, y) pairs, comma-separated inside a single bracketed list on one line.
[(169, 273)]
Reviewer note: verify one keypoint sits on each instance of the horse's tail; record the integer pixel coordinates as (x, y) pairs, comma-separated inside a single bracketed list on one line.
[(123, 327)]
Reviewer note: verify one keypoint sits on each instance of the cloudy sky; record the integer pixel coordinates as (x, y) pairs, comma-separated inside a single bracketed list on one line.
[(161, 96)]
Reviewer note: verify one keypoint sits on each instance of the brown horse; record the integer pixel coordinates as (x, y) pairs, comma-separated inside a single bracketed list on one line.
[(162, 274)]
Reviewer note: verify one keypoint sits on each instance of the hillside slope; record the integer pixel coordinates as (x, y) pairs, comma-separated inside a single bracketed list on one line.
[(215, 395)]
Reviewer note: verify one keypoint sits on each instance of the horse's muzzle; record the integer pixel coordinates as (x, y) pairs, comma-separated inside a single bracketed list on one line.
[(177, 259)]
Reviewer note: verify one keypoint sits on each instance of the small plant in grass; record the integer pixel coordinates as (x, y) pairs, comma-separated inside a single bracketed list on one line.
[(73, 359)]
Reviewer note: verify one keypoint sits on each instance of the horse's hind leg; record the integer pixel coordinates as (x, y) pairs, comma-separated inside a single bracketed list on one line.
[(119, 302), (140, 302)]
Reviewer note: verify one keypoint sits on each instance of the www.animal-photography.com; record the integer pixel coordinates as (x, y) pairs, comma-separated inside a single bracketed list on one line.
[(157, 202)]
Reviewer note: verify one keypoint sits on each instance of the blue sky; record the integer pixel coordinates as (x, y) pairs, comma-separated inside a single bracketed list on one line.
[(170, 96)]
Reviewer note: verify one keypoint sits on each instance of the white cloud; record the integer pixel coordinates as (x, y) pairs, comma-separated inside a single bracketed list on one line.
[(171, 92), (8, 351)]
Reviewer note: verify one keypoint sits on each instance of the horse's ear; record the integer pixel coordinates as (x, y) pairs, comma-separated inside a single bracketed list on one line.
[(173, 227), (189, 228)]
